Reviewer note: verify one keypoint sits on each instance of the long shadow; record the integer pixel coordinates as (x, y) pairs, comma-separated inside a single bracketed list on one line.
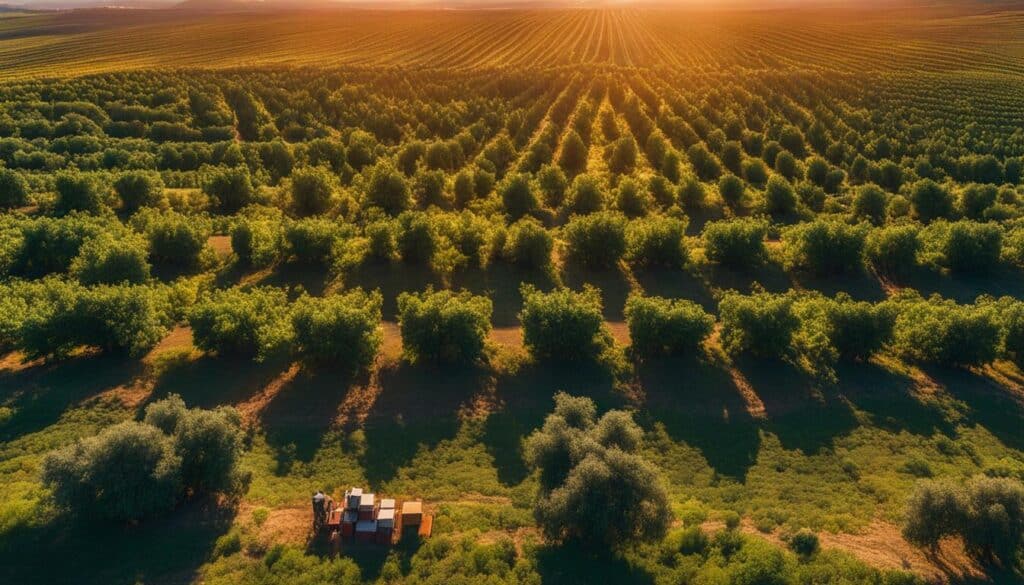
[(301, 412), (209, 381), (392, 279), (501, 283), (67, 550), (611, 282), (568, 564), (38, 395), (527, 398), (311, 277), (888, 399), (768, 275), (698, 403), (799, 414), (991, 406), (965, 288), (860, 286), (418, 406), (675, 283)]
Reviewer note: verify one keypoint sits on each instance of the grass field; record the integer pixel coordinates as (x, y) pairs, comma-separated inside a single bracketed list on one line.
[(767, 439)]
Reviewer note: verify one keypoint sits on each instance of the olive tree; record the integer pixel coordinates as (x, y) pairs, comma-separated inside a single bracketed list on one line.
[(340, 330), (444, 326)]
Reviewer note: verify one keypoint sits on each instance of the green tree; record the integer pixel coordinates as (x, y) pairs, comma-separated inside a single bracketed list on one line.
[(444, 326), (563, 324), (341, 330)]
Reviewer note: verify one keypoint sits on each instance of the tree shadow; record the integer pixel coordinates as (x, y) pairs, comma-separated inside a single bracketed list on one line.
[(39, 394), (501, 283), (311, 277), (675, 283), (800, 414), (699, 217), (991, 406), (611, 282), (301, 412), (699, 404), (392, 279), (418, 406), (768, 275), (170, 549), (861, 286), (888, 398), (965, 288), (208, 381), (568, 564), (527, 397)]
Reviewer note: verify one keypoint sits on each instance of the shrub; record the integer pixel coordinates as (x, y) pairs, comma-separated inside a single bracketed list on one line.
[(257, 242), (893, 250), (596, 490), (596, 240), (313, 240), (574, 154), (779, 197), (691, 193), (174, 239), (312, 190), (13, 189), (78, 192), (126, 472), (824, 247), (234, 322), (787, 166), (429, 188), (587, 194), (857, 330), (755, 172), (563, 324), (341, 330), (528, 244), (387, 189), (704, 163), (942, 332), (761, 324), (659, 326), (382, 245), (231, 189), (417, 237), (1012, 321), (966, 246), (517, 195), (553, 184), (107, 259), (976, 199), (804, 543), (139, 189), (622, 155), (930, 200), (870, 204), (735, 243), (632, 199), (444, 326), (208, 442), (656, 241), (731, 188)]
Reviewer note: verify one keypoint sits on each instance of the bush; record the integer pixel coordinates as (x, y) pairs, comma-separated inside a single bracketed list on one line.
[(587, 194), (804, 543), (930, 200), (596, 490), (78, 192), (174, 239), (563, 324), (779, 197), (857, 330), (257, 242), (596, 240), (444, 326), (553, 185), (731, 189), (528, 244), (312, 190), (656, 241), (234, 322), (976, 199), (622, 155), (13, 189), (755, 172), (139, 189), (659, 326), (231, 189), (574, 154), (107, 259), (825, 247), (942, 332), (47, 245), (208, 442), (893, 250), (517, 195), (387, 189), (735, 243), (1012, 321), (341, 330), (691, 193), (761, 324), (704, 163), (126, 472), (313, 240), (417, 237), (631, 198), (966, 246)]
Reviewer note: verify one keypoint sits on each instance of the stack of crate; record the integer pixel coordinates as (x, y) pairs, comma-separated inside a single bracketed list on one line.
[(386, 521)]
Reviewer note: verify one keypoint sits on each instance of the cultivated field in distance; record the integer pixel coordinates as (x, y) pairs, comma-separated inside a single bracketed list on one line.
[(638, 294)]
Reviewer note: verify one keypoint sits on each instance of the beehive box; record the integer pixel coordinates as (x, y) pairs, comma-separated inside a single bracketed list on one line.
[(412, 513)]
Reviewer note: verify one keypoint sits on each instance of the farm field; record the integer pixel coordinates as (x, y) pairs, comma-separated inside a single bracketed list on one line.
[(246, 256)]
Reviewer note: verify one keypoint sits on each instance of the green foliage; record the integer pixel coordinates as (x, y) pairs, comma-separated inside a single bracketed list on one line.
[(942, 332), (137, 189), (704, 163), (691, 193), (731, 189), (761, 324), (517, 195), (417, 237), (735, 243), (312, 190), (596, 240), (257, 242), (893, 250), (341, 330), (444, 326), (825, 247), (656, 241), (387, 189), (174, 239), (46, 245), (528, 244), (13, 189), (234, 322), (313, 240), (622, 155), (586, 194), (563, 324), (930, 200), (779, 197), (78, 191), (573, 157), (106, 259), (659, 326), (632, 199), (230, 189), (976, 199), (965, 246), (596, 489)]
